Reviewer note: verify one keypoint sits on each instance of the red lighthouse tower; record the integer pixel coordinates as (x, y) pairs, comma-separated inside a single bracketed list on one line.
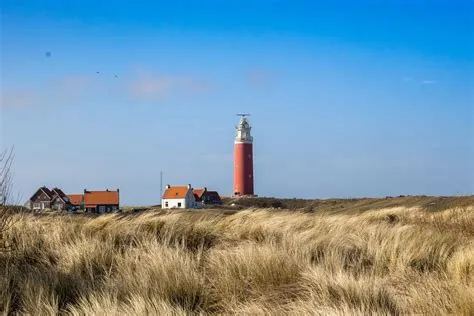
[(243, 159)]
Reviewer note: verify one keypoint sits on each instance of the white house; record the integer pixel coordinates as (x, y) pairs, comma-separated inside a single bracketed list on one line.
[(179, 197)]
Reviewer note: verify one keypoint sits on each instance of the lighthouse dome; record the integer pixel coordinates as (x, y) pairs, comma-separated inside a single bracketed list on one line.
[(243, 131)]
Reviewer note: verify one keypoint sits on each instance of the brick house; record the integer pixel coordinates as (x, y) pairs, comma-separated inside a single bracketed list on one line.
[(41, 199), (59, 200), (45, 198)]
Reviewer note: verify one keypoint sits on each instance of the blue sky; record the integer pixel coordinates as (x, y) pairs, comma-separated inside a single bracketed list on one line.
[(347, 98)]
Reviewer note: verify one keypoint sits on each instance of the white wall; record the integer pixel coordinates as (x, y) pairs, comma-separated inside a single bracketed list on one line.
[(173, 203), (188, 202)]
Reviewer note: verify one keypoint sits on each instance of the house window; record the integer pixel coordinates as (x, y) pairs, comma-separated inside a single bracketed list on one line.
[(179, 204), (166, 204)]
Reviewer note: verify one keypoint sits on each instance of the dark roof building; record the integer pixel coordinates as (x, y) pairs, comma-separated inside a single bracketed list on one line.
[(207, 197), (45, 198)]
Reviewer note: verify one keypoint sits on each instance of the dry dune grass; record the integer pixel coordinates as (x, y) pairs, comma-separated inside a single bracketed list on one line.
[(254, 262)]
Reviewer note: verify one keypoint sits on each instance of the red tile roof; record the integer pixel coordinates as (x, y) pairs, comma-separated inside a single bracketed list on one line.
[(198, 193), (94, 198), (176, 192), (76, 199)]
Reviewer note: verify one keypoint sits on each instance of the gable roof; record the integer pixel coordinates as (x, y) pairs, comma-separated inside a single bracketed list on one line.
[(213, 194), (198, 193), (178, 192), (58, 198), (45, 190), (76, 199), (101, 198), (58, 193)]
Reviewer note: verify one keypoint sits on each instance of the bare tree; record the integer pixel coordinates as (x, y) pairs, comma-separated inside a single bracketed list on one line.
[(6, 160)]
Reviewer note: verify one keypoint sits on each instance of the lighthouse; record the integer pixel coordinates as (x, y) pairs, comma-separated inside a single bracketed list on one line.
[(243, 159)]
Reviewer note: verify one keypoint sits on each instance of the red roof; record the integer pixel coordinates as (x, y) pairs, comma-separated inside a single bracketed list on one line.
[(76, 199), (176, 192), (198, 193), (101, 198)]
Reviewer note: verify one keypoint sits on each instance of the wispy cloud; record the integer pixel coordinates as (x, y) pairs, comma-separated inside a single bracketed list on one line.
[(66, 89), (75, 83), (424, 81), (152, 86), (76, 87), (17, 99), (258, 78)]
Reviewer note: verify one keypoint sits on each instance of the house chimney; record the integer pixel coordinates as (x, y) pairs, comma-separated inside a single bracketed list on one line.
[(118, 190), (85, 190), (107, 190), (189, 186), (168, 186)]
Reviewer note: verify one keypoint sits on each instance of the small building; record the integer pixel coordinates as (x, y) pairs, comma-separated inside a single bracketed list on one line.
[(45, 198), (77, 201), (179, 197), (59, 200), (41, 199), (101, 201), (206, 197)]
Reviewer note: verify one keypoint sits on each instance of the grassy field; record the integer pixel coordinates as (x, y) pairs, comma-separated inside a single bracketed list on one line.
[(362, 258)]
